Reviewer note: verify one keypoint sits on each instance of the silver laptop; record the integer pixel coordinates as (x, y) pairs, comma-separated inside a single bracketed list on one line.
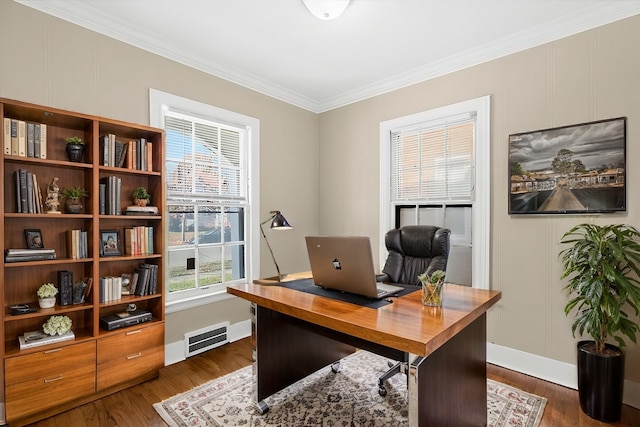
[(346, 264)]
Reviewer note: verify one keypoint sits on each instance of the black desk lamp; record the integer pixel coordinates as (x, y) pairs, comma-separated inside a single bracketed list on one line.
[(278, 222)]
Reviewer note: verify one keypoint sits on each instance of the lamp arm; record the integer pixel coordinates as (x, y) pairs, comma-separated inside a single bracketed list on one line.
[(270, 251)]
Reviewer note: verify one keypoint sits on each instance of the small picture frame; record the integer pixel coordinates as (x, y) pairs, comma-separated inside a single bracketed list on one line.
[(110, 243), (34, 238)]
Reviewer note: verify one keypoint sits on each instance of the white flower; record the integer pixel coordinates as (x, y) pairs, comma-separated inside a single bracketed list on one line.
[(57, 325), (47, 290)]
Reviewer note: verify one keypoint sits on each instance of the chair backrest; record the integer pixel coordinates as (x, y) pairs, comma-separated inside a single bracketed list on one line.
[(415, 249)]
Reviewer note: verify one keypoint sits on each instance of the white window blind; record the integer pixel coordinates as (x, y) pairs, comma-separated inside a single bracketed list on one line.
[(433, 161)]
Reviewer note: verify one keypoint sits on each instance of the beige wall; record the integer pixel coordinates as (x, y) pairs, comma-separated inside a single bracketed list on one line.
[(48, 61), (590, 76), (322, 170)]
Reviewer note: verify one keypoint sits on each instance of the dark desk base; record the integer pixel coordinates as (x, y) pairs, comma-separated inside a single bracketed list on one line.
[(448, 388)]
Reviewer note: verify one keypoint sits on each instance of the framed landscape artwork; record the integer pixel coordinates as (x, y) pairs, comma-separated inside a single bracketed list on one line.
[(576, 169)]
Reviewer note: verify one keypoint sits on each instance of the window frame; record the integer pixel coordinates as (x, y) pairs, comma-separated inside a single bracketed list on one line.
[(480, 223), (159, 103)]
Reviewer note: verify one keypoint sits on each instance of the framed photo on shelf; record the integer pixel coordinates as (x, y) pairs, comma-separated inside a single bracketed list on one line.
[(110, 243), (34, 238)]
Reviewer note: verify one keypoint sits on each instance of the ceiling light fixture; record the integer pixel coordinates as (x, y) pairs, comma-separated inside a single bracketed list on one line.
[(326, 9)]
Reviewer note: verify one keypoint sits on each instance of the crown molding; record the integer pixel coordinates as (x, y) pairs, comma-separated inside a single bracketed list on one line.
[(86, 16)]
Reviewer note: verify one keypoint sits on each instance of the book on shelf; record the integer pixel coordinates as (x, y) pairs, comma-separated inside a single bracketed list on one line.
[(76, 244), (110, 288), (65, 287), (36, 141), (141, 210), (37, 338), (31, 139), (24, 258), (22, 138), (7, 136), (26, 252), (43, 141)]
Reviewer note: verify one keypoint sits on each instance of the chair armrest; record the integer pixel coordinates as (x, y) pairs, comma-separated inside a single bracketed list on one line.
[(383, 277)]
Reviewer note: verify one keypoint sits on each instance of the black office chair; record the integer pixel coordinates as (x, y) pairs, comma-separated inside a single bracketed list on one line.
[(413, 250)]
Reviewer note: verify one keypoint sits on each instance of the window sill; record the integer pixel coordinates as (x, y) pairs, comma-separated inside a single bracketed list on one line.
[(188, 303)]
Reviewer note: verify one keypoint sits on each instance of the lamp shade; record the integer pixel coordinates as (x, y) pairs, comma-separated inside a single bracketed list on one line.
[(279, 222)]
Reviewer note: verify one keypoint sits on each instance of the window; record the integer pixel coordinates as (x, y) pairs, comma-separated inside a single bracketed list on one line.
[(434, 170), (210, 203)]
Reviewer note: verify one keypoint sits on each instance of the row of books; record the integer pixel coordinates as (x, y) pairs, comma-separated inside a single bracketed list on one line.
[(25, 139), (110, 193), (138, 240), (21, 255), (136, 154), (37, 338), (142, 281), (77, 244), (28, 194)]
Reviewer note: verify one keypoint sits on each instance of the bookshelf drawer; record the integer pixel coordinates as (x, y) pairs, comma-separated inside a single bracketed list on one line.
[(129, 342), (55, 388), (49, 362), (133, 365)]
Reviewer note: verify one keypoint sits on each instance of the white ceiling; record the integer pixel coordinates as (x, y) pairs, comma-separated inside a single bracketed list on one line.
[(278, 48)]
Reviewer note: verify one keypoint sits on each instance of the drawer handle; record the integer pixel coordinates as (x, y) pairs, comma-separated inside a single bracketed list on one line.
[(137, 331), (133, 356), (50, 380), (55, 350)]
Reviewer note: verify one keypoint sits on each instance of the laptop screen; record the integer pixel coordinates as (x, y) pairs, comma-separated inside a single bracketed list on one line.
[(342, 263)]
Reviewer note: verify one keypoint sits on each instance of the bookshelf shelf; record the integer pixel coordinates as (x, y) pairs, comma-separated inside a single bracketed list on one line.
[(89, 379)]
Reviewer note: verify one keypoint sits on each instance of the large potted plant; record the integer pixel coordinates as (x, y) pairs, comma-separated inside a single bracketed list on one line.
[(601, 263)]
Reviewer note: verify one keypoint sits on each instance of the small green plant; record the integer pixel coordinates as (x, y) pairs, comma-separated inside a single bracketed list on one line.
[(74, 140), (47, 290), (432, 287), (140, 193), (74, 193)]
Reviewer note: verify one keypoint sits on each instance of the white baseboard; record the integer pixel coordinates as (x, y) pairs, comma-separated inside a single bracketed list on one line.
[(550, 370)]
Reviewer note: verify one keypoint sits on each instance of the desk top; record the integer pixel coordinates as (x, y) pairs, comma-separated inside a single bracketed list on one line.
[(406, 324)]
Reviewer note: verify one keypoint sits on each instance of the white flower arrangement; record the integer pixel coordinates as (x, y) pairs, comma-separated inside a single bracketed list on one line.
[(57, 325), (48, 290)]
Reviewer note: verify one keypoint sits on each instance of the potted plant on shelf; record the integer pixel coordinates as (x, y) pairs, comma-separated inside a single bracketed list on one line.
[(47, 295), (601, 264), (72, 197), (75, 148), (141, 196), (57, 325)]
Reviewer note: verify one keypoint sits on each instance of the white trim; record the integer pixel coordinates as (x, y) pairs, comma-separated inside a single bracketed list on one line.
[(481, 224), (161, 101), (550, 370), (85, 15)]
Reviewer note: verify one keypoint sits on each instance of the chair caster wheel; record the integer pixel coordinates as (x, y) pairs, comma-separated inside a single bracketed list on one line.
[(335, 368), (382, 391), (262, 407)]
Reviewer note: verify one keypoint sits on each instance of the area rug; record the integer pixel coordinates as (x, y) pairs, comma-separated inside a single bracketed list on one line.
[(348, 398)]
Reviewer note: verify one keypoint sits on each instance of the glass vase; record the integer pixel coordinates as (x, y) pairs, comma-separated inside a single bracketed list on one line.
[(432, 294)]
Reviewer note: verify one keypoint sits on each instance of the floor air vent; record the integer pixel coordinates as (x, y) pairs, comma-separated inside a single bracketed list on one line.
[(205, 339)]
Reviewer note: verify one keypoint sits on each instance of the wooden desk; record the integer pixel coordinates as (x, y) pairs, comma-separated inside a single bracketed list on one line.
[(295, 333)]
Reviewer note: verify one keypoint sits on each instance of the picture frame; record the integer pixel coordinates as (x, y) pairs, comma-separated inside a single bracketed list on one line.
[(33, 237), (574, 169), (110, 243)]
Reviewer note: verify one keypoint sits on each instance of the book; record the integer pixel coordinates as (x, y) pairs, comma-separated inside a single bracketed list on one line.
[(135, 209), (22, 138), (43, 141), (37, 338), (14, 138), (23, 190), (18, 252), (24, 258), (31, 139), (7, 136), (36, 143), (65, 287)]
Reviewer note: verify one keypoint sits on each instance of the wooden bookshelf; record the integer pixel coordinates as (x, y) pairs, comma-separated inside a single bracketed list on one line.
[(97, 362)]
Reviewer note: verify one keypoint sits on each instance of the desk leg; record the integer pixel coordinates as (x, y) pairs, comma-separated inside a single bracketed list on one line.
[(285, 350), (448, 388)]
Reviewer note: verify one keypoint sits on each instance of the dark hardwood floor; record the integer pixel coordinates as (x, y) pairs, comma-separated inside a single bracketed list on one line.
[(133, 407)]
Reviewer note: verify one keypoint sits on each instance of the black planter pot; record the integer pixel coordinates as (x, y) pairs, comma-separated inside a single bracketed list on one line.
[(600, 382), (75, 152)]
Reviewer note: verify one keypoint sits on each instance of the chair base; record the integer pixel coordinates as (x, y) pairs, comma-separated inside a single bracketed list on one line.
[(397, 368)]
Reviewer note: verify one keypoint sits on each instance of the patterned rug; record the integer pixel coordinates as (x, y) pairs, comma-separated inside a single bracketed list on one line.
[(347, 398)]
